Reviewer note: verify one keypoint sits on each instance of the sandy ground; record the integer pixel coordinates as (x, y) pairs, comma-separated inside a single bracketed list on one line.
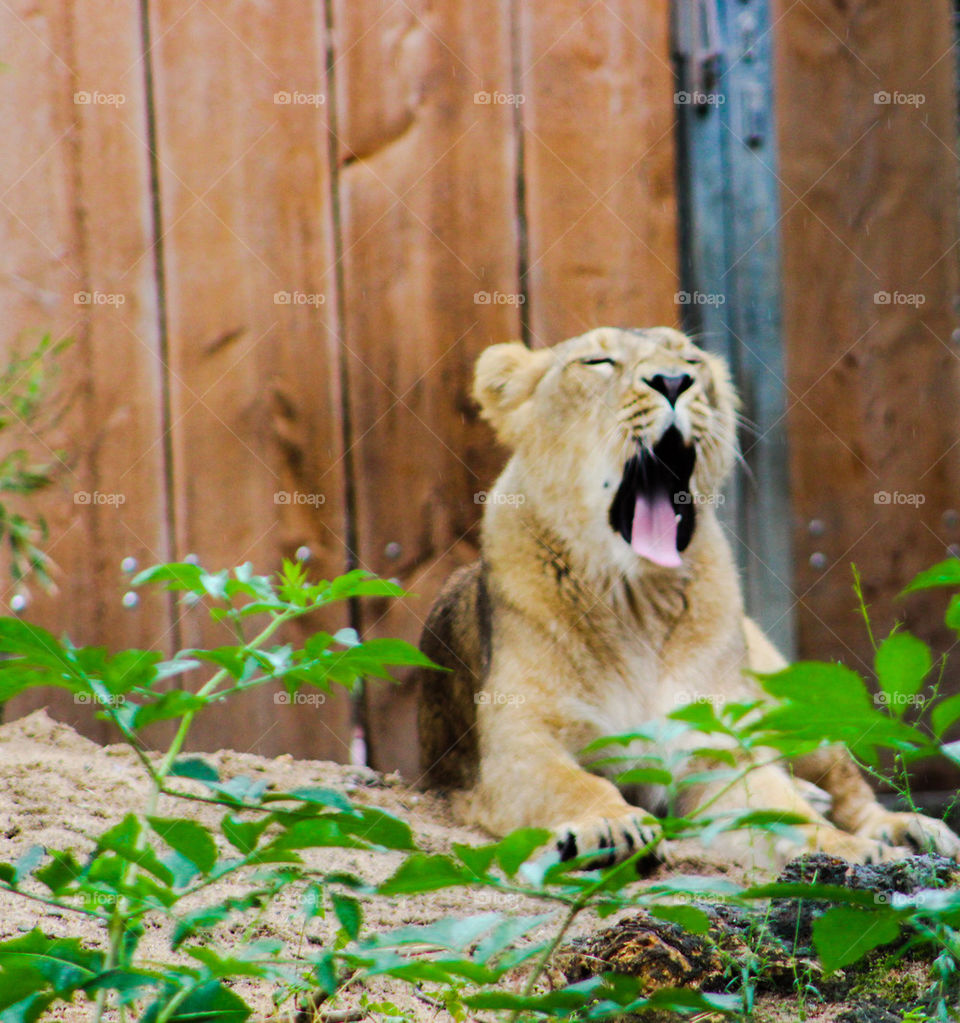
[(57, 789)]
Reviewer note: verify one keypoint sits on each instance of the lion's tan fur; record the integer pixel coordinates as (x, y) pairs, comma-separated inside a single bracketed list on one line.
[(561, 634)]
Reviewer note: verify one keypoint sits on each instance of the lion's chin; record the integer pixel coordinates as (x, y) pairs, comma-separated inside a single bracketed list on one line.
[(653, 508)]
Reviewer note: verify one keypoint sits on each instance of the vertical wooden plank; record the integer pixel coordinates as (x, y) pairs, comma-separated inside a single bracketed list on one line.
[(598, 136), (241, 121), (78, 260), (732, 283), (867, 110), (430, 278)]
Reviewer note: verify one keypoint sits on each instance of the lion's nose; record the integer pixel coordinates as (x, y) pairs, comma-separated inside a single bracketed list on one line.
[(671, 387)]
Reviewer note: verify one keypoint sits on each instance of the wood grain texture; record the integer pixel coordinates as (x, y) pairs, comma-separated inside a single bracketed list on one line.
[(427, 192), (598, 136), (869, 202), (78, 261), (251, 297)]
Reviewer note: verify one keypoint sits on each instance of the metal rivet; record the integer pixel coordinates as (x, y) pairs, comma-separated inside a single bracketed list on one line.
[(129, 564), (18, 602), (303, 553), (818, 560), (816, 527), (393, 550), (951, 518), (191, 559), (130, 599)]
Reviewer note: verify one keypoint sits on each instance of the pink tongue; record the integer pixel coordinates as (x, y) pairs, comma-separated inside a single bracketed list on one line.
[(654, 532)]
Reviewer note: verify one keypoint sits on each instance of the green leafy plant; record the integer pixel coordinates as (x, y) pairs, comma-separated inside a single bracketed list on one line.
[(152, 866), (25, 401)]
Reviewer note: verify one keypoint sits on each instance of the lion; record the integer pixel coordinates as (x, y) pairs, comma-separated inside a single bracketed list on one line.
[(605, 595)]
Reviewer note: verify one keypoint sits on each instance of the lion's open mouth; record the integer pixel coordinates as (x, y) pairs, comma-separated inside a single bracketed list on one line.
[(653, 510)]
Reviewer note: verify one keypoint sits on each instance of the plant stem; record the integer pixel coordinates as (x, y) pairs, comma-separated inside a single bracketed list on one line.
[(118, 919)]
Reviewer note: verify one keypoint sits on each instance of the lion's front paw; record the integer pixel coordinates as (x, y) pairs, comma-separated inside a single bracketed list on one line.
[(915, 830), (611, 838)]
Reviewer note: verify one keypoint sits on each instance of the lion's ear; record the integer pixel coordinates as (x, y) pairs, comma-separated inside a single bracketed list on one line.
[(506, 376)]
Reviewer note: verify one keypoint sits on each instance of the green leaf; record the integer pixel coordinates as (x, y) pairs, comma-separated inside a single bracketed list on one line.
[(902, 662), (177, 576), (243, 835), (63, 962), (944, 714), (210, 1003), (348, 913), (173, 703), (645, 776), (516, 848), (61, 873), (196, 768), (28, 862), (690, 918), (377, 827), (122, 840), (952, 616), (845, 934), (946, 573), (425, 873), (190, 839)]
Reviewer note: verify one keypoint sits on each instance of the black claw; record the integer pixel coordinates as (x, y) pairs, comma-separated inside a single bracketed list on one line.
[(567, 846)]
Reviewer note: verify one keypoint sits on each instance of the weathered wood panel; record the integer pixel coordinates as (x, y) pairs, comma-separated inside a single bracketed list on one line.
[(598, 148), (867, 109), (250, 284), (427, 192), (78, 260)]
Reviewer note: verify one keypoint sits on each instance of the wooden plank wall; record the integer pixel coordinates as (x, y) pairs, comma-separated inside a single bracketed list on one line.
[(443, 177), (868, 164)]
